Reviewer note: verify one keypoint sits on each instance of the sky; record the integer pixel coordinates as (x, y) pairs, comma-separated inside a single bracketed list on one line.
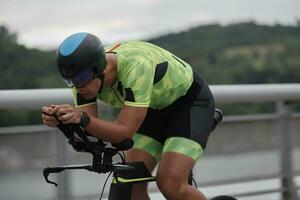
[(44, 24)]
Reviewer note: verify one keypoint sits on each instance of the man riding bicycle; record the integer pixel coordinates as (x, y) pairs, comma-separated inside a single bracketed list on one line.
[(166, 107)]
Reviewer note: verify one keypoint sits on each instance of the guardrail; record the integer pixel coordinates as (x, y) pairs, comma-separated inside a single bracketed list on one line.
[(35, 98), (224, 94)]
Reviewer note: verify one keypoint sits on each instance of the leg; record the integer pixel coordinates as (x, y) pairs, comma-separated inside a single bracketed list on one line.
[(187, 134), (139, 191), (172, 176), (147, 147)]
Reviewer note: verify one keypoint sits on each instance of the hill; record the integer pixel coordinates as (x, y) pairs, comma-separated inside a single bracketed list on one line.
[(243, 53), (23, 68)]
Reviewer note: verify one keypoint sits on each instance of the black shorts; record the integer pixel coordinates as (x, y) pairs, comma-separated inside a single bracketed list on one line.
[(187, 121)]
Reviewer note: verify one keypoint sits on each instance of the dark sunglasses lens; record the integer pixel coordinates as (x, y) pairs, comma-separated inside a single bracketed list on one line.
[(83, 78)]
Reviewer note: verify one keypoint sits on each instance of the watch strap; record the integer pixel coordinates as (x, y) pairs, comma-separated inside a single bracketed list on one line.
[(84, 120)]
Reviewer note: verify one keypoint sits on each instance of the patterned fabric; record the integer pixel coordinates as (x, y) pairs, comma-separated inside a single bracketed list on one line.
[(148, 76), (183, 146), (148, 144)]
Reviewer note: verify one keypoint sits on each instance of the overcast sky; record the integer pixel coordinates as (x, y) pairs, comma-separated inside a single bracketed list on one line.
[(45, 24)]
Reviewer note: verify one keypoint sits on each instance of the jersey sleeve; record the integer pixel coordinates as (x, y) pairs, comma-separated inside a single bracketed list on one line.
[(80, 101), (138, 83)]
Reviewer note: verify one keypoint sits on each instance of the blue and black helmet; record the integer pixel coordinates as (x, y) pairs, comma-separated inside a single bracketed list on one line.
[(78, 52)]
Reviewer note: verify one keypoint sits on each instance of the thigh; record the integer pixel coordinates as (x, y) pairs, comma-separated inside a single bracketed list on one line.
[(155, 125), (151, 136), (190, 126)]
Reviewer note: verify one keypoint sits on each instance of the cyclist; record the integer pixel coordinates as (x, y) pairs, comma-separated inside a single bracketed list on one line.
[(166, 107)]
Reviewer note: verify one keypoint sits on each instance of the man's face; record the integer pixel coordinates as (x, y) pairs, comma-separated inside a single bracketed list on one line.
[(90, 89), (87, 83)]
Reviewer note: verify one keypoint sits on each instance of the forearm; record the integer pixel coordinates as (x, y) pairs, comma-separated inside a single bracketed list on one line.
[(113, 132)]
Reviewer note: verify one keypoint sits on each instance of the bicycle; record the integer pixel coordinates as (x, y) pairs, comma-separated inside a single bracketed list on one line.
[(125, 174)]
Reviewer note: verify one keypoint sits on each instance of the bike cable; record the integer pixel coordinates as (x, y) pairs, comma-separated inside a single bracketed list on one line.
[(105, 185), (124, 156), (194, 181)]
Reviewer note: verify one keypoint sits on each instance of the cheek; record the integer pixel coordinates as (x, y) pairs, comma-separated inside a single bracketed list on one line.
[(94, 86)]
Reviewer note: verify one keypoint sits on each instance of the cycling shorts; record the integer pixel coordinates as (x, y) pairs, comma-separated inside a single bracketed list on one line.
[(182, 127)]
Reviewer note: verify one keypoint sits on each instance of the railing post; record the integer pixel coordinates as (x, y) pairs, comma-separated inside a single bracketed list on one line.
[(286, 151), (63, 189)]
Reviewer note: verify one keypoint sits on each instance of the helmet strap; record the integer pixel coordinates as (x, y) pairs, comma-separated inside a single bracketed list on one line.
[(101, 76)]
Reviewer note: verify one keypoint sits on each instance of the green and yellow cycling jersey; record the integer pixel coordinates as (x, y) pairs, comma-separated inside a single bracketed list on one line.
[(147, 76)]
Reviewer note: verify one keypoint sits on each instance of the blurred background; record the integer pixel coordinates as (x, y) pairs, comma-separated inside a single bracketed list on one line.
[(229, 43)]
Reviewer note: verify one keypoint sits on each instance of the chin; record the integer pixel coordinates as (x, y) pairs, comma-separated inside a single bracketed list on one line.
[(89, 97)]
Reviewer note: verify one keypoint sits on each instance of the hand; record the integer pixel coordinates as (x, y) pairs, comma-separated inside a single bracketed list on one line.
[(47, 118), (66, 113)]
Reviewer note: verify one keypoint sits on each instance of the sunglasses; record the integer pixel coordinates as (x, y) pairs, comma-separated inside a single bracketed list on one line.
[(82, 78)]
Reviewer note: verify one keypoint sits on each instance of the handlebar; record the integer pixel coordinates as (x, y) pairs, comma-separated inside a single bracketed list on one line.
[(82, 141), (102, 153)]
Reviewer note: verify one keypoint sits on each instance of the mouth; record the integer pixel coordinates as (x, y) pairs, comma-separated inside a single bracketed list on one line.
[(87, 95)]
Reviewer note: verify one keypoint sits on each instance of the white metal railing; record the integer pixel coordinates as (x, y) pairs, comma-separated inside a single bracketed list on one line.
[(35, 98), (279, 93)]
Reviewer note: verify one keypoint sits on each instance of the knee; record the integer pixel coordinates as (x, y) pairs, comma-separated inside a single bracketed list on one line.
[(170, 184)]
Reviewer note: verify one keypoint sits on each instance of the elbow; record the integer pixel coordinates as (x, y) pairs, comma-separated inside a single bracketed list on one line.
[(127, 135), (124, 133), (123, 140)]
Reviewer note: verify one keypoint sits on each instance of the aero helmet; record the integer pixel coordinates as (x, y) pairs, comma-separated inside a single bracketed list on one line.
[(78, 53)]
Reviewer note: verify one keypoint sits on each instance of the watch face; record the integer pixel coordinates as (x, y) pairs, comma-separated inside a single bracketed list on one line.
[(85, 119)]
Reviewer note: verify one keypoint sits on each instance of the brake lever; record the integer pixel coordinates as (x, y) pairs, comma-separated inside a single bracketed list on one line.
[(46, 173), (49, 170)]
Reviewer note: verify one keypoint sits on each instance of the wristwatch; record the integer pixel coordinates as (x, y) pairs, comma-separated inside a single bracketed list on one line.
[(84, 120)]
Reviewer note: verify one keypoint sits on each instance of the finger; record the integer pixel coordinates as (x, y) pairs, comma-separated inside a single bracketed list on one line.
[(70, 118), (50, 123), (44, 114), (60, 106), (64, 110), (70, 121), (54, 124), (65, 116), (56, 108), (46, 109), (49, 118)]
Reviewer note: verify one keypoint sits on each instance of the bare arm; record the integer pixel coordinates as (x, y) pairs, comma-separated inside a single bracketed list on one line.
[(128, 122)]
